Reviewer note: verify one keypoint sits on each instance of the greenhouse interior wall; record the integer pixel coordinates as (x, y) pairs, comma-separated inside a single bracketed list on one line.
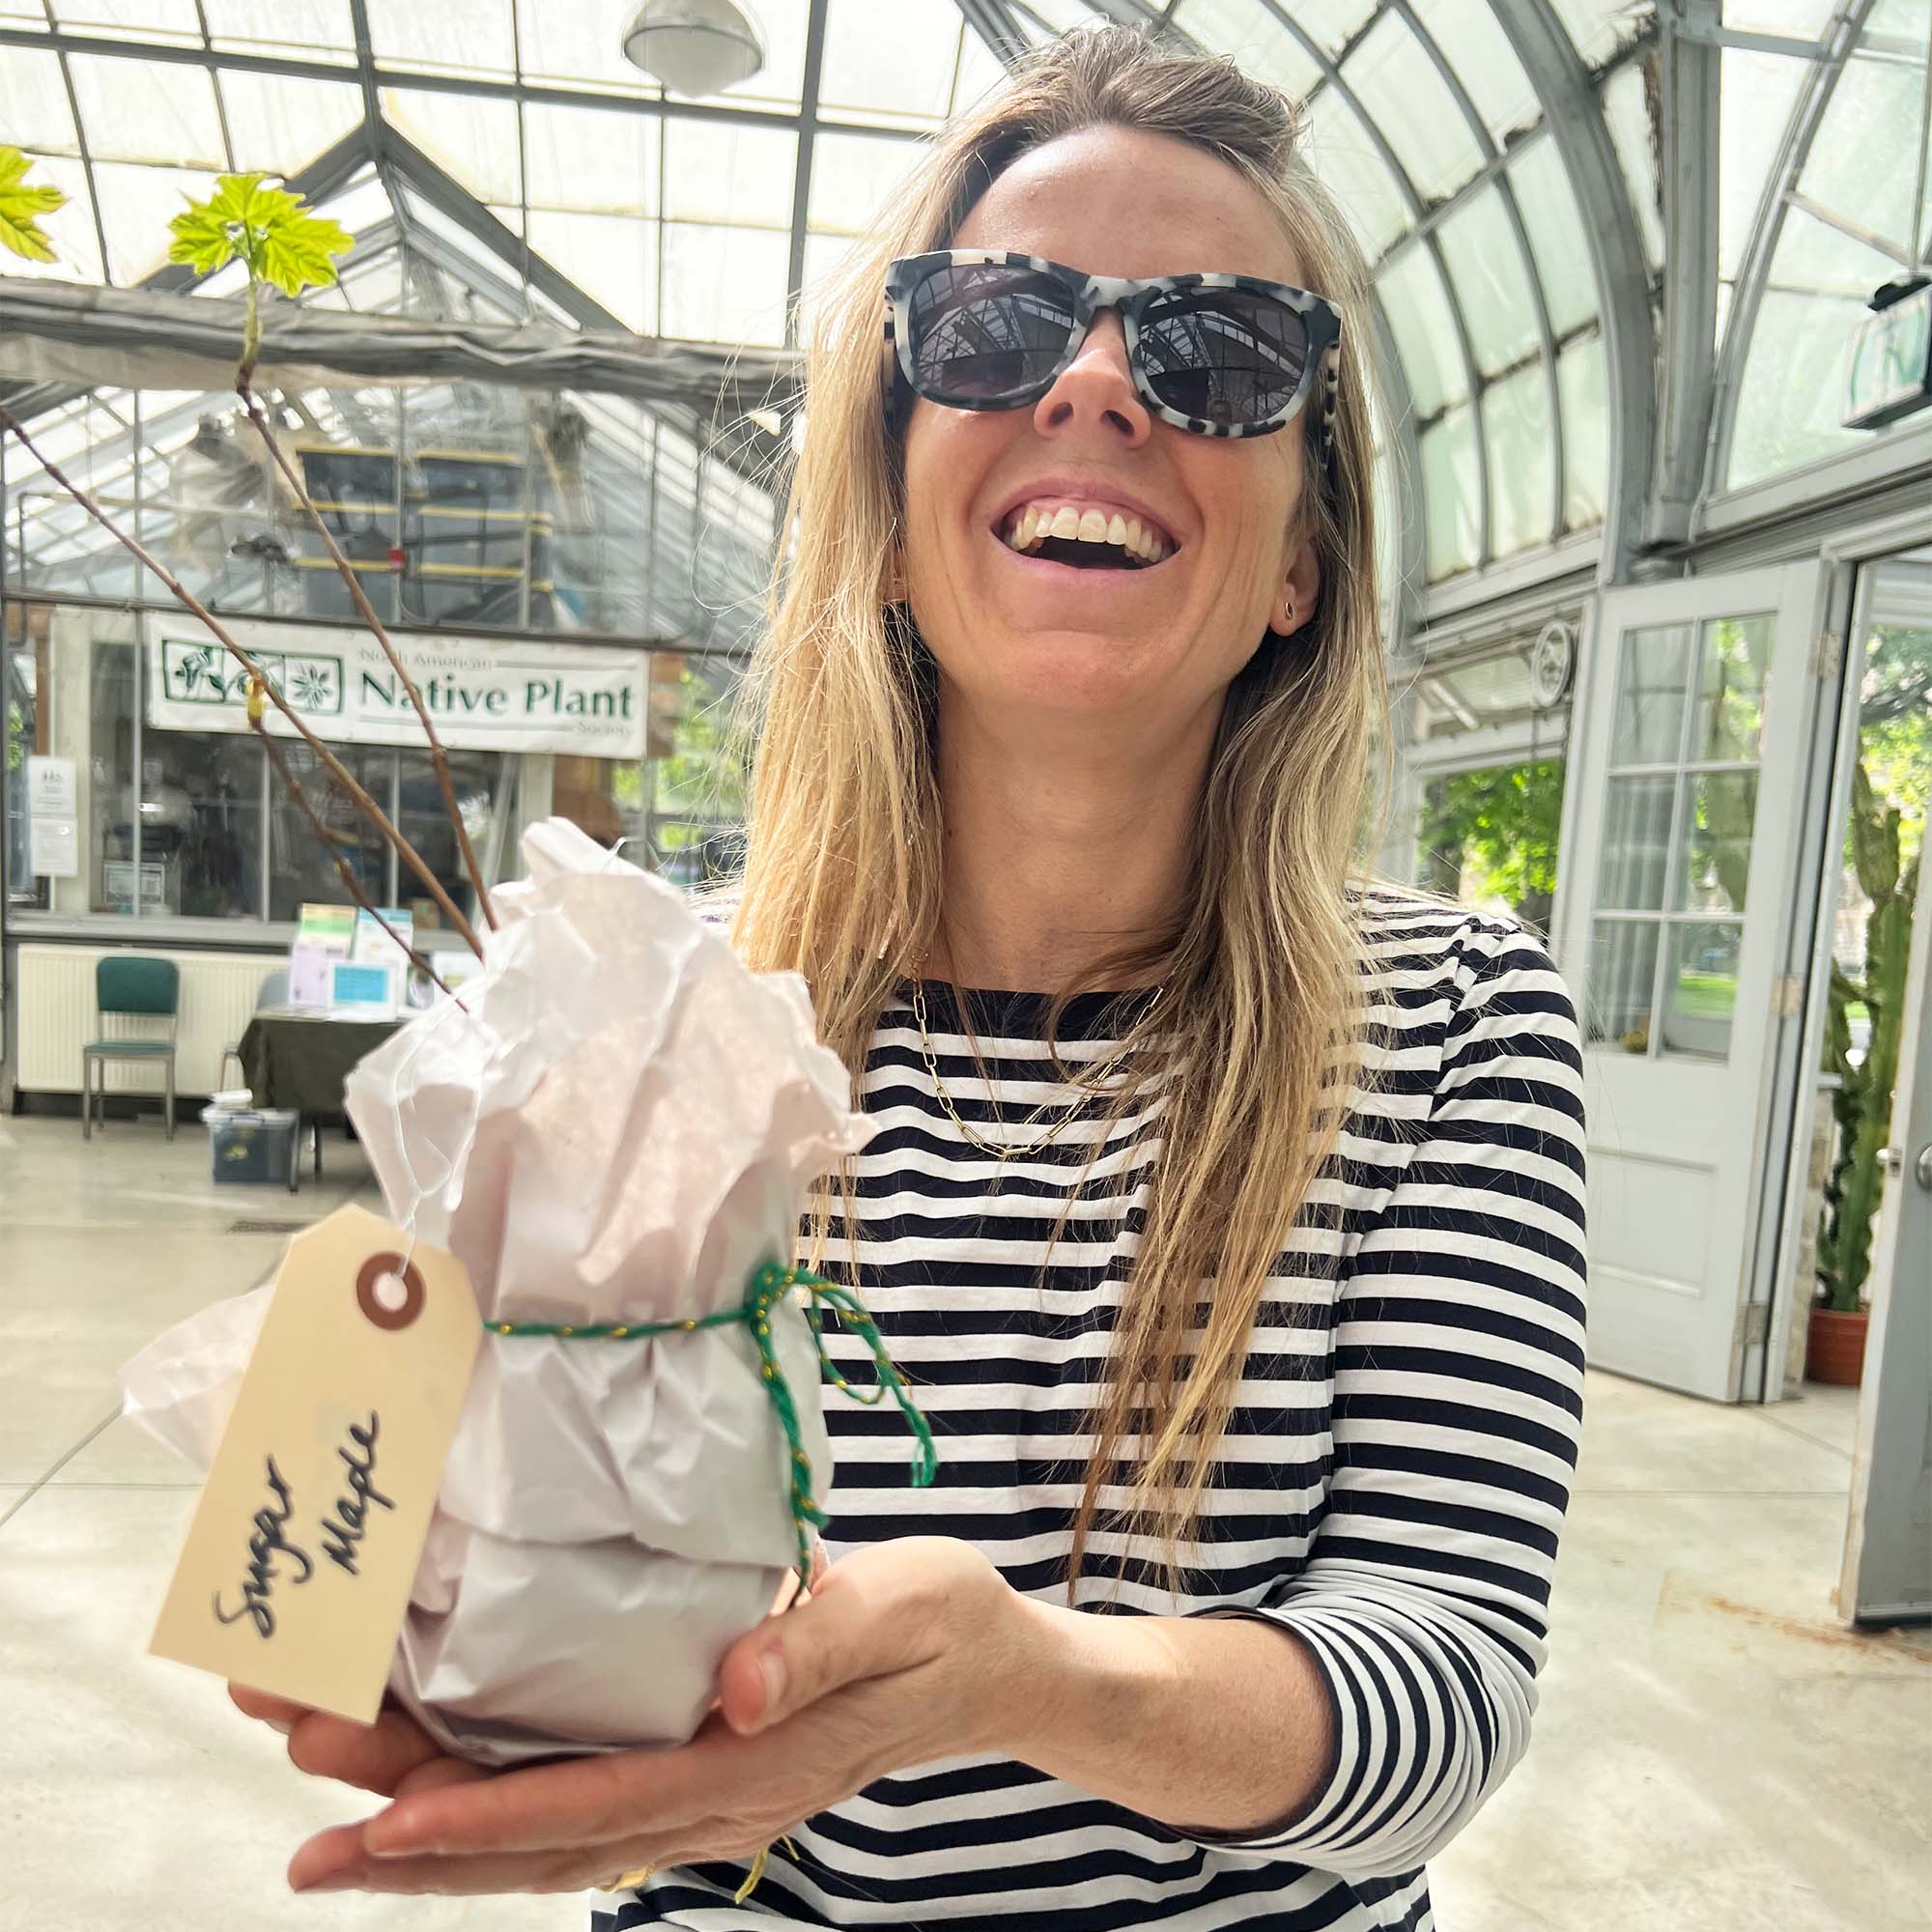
[(1619, 261)]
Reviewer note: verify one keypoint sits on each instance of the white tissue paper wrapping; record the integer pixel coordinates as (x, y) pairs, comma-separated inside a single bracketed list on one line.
[(617, 1124)]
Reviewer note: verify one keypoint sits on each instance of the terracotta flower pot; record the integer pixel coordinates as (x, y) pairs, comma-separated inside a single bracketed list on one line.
[(1834, 1348)]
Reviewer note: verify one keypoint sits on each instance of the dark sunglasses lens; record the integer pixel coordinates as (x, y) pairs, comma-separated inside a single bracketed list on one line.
[(987, 332), (1225, 355)]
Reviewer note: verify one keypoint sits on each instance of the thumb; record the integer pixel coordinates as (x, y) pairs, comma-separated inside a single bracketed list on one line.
[(833, 1638)]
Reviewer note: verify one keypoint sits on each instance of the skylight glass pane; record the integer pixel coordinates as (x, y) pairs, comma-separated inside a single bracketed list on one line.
[(1331, 23), (136, 206), (1492, 282), (598, 159), (715, 172), (1467, 32), (1248, 31), (1451, 494), (980, 73), (147, 111), (892, 55), (824, 255), (1424, 326), (1799, 20), (68, 229), (612, 258), (578, 46), (33, 104), (131, 19), (781, 81), (445, 36), (1398, 84), (853, 178), (314, 29), (1520, 442), (1793, 390), (1756, 95), (467, 136), (1628, 113), (1863, 162), (1557, 241), (1599, 27), (1349, 165), (279, 123), (25, 14), (1582, 382), (724, 284)]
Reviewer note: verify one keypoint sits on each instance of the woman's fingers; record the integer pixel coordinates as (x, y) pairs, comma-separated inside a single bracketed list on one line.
[(373, 1757), (277, 1713), (334, 1861)]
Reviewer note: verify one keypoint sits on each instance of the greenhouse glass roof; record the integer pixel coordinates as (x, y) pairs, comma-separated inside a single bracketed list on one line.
[(1539, 301)]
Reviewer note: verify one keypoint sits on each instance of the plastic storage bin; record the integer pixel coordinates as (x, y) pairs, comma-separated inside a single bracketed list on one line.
[(252, 1144)]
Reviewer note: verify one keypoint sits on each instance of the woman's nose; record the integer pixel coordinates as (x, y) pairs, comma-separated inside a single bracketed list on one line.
[(1097, 389)]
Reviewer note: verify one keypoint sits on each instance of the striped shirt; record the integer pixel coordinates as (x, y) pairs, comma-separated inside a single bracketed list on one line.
[(1390, 1489)]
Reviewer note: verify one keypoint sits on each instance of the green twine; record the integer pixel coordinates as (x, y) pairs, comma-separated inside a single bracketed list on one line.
[(769, 1287)]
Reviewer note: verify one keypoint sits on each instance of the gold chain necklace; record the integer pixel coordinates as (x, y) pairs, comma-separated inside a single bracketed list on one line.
[(998, 1149)]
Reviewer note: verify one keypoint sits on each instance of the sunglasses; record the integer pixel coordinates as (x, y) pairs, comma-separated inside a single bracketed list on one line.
[(975, 328)]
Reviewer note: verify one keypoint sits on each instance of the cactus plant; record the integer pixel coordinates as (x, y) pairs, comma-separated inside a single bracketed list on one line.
[(1863, 1102)]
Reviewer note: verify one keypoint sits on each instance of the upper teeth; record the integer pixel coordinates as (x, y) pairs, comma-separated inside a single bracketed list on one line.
[(1028, 527)]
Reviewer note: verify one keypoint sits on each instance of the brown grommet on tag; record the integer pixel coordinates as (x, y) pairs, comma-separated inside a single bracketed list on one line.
[(371, 1273)]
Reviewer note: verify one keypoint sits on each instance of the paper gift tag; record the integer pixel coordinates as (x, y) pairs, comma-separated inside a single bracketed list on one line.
[(296, 1574)]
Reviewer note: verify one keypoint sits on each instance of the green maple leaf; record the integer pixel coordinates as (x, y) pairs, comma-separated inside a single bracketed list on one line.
[(20, 204), (267, 230)]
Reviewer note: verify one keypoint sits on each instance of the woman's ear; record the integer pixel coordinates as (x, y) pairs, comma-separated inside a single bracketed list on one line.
[(1294, 601)]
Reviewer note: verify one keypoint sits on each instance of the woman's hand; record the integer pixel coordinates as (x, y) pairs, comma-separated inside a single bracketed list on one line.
[(905, 1652)]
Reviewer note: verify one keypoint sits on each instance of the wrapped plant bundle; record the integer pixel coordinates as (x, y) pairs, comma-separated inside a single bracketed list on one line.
[(612, 1126)]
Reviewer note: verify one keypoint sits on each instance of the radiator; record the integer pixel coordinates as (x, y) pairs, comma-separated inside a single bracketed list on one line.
[(55, 1018)]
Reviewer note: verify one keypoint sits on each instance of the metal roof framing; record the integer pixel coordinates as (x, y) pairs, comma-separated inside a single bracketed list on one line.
[(1573, 112)]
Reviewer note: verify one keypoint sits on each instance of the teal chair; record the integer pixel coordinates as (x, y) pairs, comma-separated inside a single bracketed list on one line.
[(137, 992)]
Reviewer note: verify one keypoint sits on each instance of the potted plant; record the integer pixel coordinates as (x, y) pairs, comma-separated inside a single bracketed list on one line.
[(1861, 1102)]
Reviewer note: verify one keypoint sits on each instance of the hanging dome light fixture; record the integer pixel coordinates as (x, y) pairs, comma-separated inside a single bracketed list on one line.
[(694, 48)]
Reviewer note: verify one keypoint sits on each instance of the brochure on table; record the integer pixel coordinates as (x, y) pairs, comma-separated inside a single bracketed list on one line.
[(343, 962)]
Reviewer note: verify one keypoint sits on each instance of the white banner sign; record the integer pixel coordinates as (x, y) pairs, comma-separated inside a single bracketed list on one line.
[(485, 694)]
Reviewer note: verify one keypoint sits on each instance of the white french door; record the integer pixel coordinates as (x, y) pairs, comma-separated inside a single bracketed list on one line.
[(1688, 773)]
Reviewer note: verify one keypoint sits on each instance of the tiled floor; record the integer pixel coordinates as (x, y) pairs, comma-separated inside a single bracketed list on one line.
[(1713, 1750)]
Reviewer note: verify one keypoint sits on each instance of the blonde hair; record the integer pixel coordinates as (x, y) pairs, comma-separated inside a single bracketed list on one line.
[(1256, 1034)]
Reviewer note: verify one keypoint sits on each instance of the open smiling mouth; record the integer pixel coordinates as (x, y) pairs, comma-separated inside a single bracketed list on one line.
[(1086, 539)]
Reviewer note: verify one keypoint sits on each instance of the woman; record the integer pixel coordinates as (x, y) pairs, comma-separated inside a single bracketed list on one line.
[(1238, 1264)]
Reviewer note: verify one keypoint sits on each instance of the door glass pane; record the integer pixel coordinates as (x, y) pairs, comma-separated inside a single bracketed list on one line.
[(1650, 696), (1622, 984), (1637, 844), (1730, 698), (1718, 809), (480, 780), (301, 868), (1701, 989), (200, 823)]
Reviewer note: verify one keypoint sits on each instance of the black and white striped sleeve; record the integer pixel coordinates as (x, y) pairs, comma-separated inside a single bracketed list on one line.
[(1459, 1369)]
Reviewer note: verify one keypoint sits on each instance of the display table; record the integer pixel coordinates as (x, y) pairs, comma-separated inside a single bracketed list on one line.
[(300, 1061)]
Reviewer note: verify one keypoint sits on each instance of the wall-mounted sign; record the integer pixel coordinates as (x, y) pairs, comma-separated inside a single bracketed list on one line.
[(485, 694), (54, 845), (1891, 361)]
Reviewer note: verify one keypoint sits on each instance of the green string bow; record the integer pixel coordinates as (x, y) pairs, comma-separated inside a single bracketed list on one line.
[(769, 1287)]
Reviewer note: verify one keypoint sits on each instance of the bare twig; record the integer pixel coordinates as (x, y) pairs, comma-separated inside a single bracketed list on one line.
[(380, 630), (286, 773), (373, 811)]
